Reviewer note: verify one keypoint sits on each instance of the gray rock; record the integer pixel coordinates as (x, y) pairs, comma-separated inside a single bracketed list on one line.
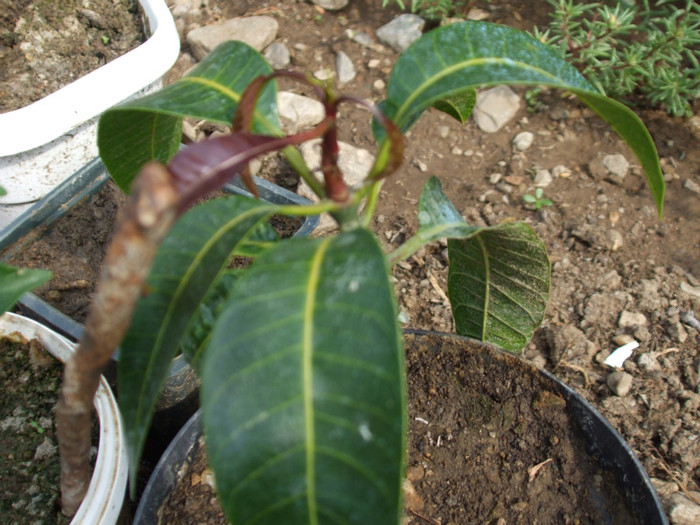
[(401, 32), (648, 362), (617, 165), (364, 40), (561, 171), (354, 162), (277, 55), (331, 5), (45, 449), (523, 140), (620, 383), (495, 107), (344, 67), (298, 112), (188, 11), (633, 320), (615, 240), (691, 185), (677, 333), (568, 343), (256, 31), (597, 169), (683, 511), (543, 178)]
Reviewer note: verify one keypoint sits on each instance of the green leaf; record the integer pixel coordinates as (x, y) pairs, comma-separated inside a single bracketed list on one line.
[(498, 281), (498, 284), (455, 59), (303, 392), (150, 128), (459, 106), (187, 265), (196, 339), (15, 282)]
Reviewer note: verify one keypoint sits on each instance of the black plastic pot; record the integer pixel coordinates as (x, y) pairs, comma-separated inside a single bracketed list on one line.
[(603, 443), (179, 399), (33, 223)]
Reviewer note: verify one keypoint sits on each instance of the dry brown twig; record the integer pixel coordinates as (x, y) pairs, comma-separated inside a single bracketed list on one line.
[(145, 220)]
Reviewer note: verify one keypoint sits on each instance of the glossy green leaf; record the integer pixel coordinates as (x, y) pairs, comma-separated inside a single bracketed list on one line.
[(15, 282), (303, 395), (499, 276), (196, 339), (150, 128), (459, 106), (498, 284), (187, 265), (457, 58)]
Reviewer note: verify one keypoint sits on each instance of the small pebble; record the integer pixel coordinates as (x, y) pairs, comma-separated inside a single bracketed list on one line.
[(620, 383)]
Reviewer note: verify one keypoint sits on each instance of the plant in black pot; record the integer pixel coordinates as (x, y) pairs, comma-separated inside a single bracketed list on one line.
[(301, 354)]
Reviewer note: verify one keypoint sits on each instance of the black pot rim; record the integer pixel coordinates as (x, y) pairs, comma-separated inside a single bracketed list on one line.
[(602, 440)]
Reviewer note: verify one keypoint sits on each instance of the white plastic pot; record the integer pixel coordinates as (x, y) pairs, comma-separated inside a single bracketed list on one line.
[(45, 142), (105, 495)]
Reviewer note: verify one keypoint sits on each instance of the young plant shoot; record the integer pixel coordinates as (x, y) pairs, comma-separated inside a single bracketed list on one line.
[(300, 355)]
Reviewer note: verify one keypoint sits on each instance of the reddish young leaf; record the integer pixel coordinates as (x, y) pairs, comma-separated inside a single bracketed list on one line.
[(205, 166)]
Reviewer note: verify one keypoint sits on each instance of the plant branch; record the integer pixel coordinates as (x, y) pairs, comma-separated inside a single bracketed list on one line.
[(148, 215)]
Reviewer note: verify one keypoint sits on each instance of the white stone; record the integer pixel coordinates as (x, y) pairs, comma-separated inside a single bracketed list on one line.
[(401, 32), (632, 320), (298, 112), (523, 140), (354, 162), (684, 511), (542, 178), (616, 164), (561, 171), (323, 74), (495, 107), (331, 5), (691, 185), (256, 31), (615, 239), (277, 55), (188, 11), (344, 67)]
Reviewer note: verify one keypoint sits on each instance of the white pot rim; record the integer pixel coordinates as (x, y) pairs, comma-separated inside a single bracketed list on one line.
[(56, 114), (105, 495)]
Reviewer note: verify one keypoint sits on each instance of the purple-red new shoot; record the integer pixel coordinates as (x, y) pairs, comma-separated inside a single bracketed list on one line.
[(206, 166)]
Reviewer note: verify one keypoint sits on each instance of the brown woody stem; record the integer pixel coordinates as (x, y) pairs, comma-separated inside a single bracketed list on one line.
[(147, 217)]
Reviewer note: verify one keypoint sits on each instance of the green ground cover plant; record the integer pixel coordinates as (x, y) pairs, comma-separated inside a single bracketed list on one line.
[(649, 49)]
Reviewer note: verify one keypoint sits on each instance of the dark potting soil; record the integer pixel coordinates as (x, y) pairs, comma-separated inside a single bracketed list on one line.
[(507, 452), (73, 249), (29, 466)]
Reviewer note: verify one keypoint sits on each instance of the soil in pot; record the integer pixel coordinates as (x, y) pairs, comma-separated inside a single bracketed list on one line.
[(29, 464), (487, 443), (47, 45), (73, 248)]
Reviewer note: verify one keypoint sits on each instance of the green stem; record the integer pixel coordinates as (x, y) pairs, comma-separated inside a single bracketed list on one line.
[(296, 210), (371, 206), (295, 159), (407, 249)]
